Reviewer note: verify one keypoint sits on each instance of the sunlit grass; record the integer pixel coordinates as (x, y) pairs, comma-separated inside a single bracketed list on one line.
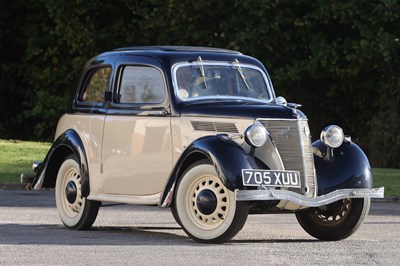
[(16, 157), (388, 178)]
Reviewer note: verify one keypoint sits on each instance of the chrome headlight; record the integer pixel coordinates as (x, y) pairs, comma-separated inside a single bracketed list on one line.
[(256, 135), (332, 136)]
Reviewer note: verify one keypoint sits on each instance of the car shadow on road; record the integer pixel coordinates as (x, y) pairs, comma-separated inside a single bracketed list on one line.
[(272, 241), (57, 234)]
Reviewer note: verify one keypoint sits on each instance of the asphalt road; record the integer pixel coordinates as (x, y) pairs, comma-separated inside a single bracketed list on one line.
[(32, 234)]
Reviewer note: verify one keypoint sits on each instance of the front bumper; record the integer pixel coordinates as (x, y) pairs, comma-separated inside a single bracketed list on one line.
[(268, 194)]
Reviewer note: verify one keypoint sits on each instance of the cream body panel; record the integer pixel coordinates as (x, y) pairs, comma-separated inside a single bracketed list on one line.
[(183, 132), (89, 129), (137, 155)]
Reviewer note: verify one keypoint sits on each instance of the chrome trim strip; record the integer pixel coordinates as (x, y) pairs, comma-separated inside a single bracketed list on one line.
[(39, 182), (143, 200), (308, 159), (266, 194), (303, 155), (168, 198)]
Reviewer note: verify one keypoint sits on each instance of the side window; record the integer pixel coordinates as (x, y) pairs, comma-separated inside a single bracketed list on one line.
[(96, 85), (141, 84)]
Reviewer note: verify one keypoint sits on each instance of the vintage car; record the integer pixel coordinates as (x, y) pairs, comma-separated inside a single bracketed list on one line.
[(201, 131)]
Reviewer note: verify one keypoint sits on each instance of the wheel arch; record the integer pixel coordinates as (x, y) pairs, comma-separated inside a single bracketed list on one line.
[(66, 144), (225, 155), (349, 168), (191, 159), (54, 163)]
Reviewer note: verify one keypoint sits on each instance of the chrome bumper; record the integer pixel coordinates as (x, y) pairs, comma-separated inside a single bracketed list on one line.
[(267, 194)]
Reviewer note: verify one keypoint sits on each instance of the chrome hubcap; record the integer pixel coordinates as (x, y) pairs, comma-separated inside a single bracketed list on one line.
[(206, 201), (71, 192)]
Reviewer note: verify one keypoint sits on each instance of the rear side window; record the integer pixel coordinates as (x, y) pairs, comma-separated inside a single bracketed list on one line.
[(141, 85), (96, 85)]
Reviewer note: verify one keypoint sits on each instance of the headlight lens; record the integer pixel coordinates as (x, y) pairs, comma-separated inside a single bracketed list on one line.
[(332, 136), (256, 135)]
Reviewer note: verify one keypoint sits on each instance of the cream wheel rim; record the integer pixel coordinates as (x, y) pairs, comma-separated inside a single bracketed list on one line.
[(72, 209), (209, 183)]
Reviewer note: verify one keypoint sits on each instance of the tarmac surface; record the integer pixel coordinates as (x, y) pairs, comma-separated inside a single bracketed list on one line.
[(31, 233)]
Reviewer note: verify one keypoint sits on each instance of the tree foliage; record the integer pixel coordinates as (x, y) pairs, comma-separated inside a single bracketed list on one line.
[(340, 59)]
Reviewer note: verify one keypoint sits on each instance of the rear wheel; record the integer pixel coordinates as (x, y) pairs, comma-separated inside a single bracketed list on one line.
[(75, 211), (335, 221), (205, 208)]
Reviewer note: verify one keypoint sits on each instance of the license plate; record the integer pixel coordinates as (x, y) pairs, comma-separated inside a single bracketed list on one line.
[(271, 178)]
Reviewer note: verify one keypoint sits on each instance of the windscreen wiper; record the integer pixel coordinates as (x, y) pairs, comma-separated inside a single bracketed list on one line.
[(237, 63), (200, 62)]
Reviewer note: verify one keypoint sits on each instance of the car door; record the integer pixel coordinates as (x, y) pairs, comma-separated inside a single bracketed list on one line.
[(137, 147), (87, 113)]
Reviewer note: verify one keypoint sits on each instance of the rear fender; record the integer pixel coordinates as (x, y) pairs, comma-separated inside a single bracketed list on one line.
[(67, 143), (349, 168), (227, 157)]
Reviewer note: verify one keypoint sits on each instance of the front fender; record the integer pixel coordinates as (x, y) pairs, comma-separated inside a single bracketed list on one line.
[(226, 155), (349, 168), (67, 143)]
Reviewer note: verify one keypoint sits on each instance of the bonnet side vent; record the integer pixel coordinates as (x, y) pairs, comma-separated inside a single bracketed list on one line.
[(203, 126), (226, 127), (214, 126)]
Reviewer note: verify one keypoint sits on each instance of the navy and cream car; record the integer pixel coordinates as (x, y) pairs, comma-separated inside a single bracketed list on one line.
[(200, 130)]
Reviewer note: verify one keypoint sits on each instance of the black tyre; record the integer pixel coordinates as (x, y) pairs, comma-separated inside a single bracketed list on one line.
[(335, 221), (76, 212), (205, 208)]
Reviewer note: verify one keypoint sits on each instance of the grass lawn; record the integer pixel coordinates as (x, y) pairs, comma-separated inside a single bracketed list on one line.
[(16, 157), (388, 178)]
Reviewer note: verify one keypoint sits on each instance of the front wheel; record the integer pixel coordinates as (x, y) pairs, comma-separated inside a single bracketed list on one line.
[(76, 212), (335, 221), (205, 208)]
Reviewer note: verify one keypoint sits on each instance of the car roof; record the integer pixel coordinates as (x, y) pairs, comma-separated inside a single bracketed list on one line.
[(177, 49), (167, 56)]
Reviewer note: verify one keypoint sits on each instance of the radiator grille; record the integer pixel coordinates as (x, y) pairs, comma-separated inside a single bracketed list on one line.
[(293, 141), (214, 126)]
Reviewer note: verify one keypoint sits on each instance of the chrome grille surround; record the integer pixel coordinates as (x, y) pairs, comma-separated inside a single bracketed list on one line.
[(293, 141)]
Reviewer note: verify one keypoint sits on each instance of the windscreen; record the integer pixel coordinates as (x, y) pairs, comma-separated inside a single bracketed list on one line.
[(223, 80)]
